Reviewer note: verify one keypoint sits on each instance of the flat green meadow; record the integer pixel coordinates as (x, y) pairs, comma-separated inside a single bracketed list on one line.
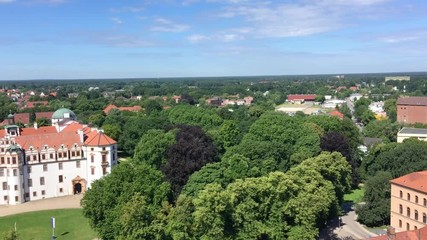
[(69, 224)]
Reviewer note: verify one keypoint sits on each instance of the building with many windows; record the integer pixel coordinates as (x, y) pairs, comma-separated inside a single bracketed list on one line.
[(408, 209), (58, 160)]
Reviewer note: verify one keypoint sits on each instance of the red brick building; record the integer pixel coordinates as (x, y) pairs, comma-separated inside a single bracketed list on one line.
[(412, 110)]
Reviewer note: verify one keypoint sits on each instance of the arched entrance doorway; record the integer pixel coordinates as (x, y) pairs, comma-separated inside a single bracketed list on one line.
[(77, 188), (78, 185)]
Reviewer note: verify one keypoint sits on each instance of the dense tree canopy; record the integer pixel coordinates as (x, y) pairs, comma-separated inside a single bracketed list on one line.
[(397, 159), (110, 197)]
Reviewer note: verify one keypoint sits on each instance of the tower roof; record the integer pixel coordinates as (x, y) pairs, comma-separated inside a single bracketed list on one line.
[(64, 113)]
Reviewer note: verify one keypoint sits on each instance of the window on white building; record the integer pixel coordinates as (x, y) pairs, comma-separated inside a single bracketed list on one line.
[(44, 167), (43, 192), (15, 187), (41, 180), (30, 182), (29, 169), (4, 186), (15, 172), (92, 171), (1, 172), (60, 178), (34, 194), (77, 164), (60, 166)]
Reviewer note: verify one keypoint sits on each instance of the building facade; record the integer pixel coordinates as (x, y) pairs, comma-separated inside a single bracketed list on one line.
[(408, 209), (58, 160), (412, 110), (418, 133)]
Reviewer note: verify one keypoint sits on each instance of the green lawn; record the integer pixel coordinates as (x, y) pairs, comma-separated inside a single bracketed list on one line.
[(70, 224), (355, 196)]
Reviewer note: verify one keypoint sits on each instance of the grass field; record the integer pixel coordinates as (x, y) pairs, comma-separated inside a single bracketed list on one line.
[(356, 195), (70, 224)]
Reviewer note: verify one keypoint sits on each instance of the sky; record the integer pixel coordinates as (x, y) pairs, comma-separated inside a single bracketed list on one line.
[(72, 39)]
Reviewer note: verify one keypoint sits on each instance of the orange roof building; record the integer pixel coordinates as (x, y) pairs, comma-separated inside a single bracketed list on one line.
[(58, 160), (108, 108), (408, 203), (337, 113)]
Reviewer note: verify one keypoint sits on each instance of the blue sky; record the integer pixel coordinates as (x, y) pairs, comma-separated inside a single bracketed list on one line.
[(59, 39)]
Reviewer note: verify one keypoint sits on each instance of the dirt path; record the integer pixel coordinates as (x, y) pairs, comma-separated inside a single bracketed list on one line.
[(72, 201)]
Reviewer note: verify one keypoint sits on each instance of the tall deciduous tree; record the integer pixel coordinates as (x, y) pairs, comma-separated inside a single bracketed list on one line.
[(193, 150), (376, 210)]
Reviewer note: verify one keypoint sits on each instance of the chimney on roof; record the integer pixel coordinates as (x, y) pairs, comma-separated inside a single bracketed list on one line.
[(36, 126), (391, 233), (81, 135)]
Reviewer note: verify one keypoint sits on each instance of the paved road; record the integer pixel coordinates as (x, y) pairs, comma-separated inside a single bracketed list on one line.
[(72, 201), (348, 227)]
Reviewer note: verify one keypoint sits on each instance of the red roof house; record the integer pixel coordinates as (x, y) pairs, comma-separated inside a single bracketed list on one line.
[(337, 113), (301, 97)]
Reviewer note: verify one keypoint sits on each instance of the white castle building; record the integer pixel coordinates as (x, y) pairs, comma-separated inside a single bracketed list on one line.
[(58, 160)]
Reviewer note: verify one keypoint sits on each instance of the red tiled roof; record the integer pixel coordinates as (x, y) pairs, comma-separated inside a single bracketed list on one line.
[(47, 115), (22, 118), (38, 131), (131, 109), (98, 138), (75, 126), (418, 234), (306, 97), (417, 101), (108, 108), (33, 104), (415, 180), (337, 113), (50, 139)]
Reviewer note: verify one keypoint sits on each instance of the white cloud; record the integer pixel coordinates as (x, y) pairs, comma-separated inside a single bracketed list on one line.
[(117, 20), (196, 38), (127, 9), (300, 18), (165, 25)]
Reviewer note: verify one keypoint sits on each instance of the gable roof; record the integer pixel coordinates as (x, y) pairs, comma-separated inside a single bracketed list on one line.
[(415, 101), (47, 115), (22, 118), (337, 113), (98, 138), (415, 180), (50, 139), (108, 108), (38, 131)]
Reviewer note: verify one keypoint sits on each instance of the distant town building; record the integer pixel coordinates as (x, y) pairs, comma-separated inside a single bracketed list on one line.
[(301, 98), (337, 113), (36, 103), (355, 96), (405, 133), (408, 204), (108, 108), (412, 110), (215, 101), (73, 95), (397, 78)]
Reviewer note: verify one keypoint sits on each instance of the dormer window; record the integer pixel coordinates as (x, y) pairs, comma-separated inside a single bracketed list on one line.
[(45, 147)]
